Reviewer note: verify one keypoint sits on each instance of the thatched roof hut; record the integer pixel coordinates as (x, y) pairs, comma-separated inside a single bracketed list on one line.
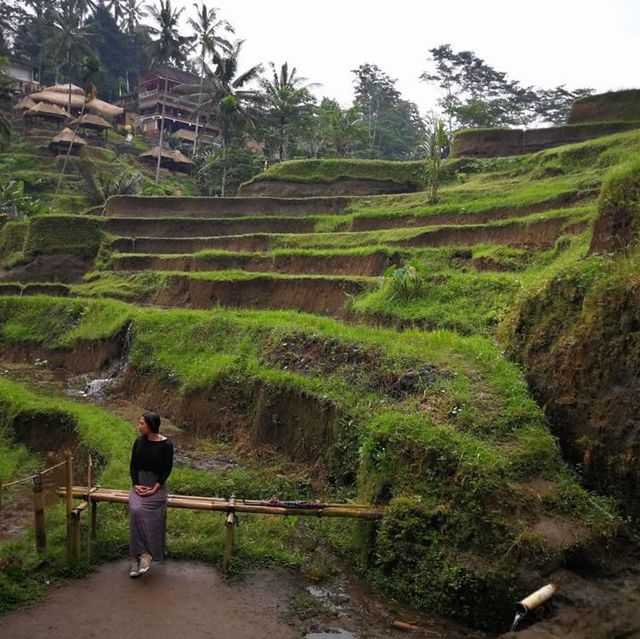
[(172, 160), (57, 97), (186, 135), (64, 88), (59, 94), (65, 138), (47, 111), (90, 121), (24, 105), (104, 108)]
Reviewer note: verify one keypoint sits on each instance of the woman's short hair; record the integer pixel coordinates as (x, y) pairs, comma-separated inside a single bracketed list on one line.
[(152, 420)]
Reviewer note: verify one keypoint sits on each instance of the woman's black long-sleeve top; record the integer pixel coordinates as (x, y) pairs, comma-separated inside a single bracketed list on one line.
[(154, 456)]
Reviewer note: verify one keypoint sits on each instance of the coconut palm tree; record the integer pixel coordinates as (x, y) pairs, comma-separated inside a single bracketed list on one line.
[(224, 96), (70, 37), (133, 14), (117, 7), (207, 26), (287, 101), (169, 46)]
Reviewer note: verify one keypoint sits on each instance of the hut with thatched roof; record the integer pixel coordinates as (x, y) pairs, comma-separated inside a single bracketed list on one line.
[(104, 108), (59, 94), (24, 105), (47, 112), (88, 121), (64, 88), (172, 160), (61, 142), (59, 98)]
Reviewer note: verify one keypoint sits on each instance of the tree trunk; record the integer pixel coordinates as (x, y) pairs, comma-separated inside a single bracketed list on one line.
[(224, 166), (69, 74)]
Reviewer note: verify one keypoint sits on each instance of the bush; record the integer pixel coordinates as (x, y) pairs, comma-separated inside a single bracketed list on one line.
[(406, 283)]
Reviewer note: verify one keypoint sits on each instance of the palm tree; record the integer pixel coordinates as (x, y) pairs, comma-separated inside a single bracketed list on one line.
[(170, 46), (287, 101), (223, 96), (206, 27), (133, 14), (70, 36), (342, 129), (117, 6)]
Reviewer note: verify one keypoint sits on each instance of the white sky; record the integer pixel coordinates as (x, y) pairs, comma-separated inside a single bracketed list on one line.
[(541, 42)]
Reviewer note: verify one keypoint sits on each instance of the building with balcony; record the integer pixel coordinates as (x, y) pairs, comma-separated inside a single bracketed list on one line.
[(161, 91)]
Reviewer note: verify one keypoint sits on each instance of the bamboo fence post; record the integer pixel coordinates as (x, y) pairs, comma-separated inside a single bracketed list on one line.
[(75, 535), (230, 524), (94, 520), (38, 514), (69, 501)]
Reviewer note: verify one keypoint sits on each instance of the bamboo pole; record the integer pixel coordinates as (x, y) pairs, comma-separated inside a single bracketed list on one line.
[(38, 515), (222, 505), (75, 531), (94, 520), (69, 501), (0, 497), (230, 525)]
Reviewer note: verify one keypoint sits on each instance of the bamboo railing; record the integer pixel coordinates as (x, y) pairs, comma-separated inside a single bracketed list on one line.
[(231, 507), (92, 496), (38, 503)]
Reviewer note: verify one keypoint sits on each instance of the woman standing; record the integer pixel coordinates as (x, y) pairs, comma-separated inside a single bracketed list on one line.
[(151, 463)]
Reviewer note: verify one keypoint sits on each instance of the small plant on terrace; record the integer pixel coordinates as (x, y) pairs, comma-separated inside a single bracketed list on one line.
[(435, 146), (405, 283)]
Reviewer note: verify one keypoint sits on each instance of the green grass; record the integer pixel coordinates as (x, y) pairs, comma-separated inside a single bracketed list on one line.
[(466, 438), (331, 170)]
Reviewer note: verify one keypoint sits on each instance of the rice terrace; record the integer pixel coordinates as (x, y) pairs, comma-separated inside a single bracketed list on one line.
[(285, 359)]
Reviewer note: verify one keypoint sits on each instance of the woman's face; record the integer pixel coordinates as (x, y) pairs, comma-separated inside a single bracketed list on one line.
[(143, 428)]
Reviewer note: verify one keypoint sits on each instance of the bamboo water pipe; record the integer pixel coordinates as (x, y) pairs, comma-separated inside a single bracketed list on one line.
[(536, 599)]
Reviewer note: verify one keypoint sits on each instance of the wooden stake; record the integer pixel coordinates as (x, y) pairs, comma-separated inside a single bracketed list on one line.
[(75, 536), (94, 520), (69, 501), (230, 525), (38, 514), (0, 497)]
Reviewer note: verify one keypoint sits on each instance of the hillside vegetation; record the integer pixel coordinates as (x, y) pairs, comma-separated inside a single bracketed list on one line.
[(367, 344)]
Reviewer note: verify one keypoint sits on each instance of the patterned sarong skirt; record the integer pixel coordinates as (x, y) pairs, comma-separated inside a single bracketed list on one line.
[(148, 519)]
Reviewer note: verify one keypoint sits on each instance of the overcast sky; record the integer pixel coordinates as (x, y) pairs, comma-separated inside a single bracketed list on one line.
[(586, 43)]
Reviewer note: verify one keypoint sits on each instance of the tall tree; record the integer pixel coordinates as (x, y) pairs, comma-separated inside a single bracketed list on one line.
[(169, 46), (207, 27), (117, 7), (475, 94), (70, 38), (287, 103), (225, 97), (395, 128), (133, 14), (340, 131)]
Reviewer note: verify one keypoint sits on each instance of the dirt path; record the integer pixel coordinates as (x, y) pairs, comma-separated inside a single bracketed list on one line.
[(178, 599), (189, 600)]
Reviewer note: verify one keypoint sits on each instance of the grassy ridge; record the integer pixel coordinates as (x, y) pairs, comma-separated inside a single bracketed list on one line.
[(459, 445)]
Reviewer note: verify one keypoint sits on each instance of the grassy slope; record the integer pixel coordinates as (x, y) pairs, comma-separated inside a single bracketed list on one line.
[(331, 170), (453, 457), (461, 445)]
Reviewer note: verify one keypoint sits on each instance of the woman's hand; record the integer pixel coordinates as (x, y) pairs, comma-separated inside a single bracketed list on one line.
[(146, 491)]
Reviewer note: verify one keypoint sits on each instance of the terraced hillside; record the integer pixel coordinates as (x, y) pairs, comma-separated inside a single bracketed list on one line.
[(357, 340)]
